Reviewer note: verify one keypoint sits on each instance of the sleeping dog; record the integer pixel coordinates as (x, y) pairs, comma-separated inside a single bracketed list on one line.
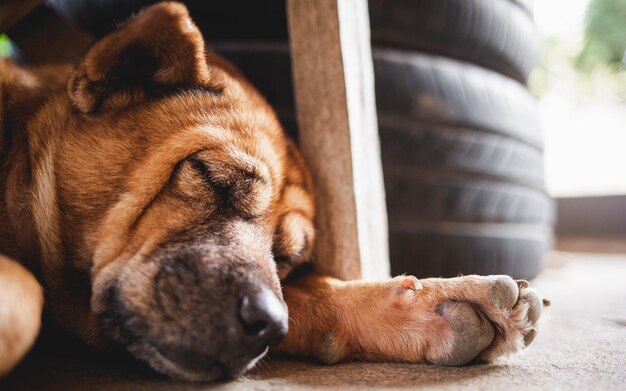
[(150, 195)]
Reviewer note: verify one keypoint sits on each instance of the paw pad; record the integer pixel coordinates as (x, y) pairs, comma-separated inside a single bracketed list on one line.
[(471, 333)]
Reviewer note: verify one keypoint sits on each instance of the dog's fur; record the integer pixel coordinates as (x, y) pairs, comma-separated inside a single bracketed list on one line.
[(147, 187)]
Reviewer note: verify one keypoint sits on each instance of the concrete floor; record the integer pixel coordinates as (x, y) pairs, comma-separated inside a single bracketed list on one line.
[(581, 345)]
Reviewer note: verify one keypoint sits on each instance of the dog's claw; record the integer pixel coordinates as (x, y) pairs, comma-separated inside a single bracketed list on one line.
[(412, 283)]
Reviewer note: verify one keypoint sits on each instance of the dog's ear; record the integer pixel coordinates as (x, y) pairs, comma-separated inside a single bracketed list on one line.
[(157, 51)]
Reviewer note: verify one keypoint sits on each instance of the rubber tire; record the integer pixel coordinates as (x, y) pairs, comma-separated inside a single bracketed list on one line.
[(430, 196), (441, 149), (218, 20), (449, 254), (496, 34), (431, 89), (462, 158)]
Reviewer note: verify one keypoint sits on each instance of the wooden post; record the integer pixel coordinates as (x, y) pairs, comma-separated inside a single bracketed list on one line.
[(334, 90)]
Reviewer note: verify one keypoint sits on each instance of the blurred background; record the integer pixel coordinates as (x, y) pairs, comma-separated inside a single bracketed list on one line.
[(582, 88), (581, 85)]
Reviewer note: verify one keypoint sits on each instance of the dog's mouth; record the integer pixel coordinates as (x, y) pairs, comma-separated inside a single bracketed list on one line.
[(187, 365), (192, 361)]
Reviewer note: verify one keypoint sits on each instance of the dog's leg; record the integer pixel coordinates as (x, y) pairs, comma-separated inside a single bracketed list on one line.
[(21, 301), (441, 321)]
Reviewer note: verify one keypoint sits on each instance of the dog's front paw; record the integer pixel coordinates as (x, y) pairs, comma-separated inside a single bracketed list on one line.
[(487, 317), (444, 321)]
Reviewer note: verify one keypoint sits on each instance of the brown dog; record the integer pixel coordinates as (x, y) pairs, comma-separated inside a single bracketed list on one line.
[(153, 195)]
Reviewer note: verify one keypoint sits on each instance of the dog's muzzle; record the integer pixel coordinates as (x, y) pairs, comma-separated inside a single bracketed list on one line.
[(194, 319)]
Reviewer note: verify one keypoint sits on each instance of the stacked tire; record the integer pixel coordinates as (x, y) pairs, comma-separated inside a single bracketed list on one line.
[(460, 135)]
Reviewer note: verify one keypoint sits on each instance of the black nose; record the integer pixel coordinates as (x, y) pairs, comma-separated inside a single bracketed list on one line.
[(263, 316)]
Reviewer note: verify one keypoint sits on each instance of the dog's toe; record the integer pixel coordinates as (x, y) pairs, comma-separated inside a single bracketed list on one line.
[(535, 305), (522, 284)]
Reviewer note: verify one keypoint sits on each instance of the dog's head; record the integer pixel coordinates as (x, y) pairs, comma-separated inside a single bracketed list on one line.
[(168, 197)]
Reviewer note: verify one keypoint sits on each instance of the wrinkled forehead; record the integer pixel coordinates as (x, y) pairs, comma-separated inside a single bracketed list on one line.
[(224, 136)]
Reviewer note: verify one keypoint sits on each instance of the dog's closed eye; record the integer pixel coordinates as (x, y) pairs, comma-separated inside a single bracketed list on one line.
[(190, 186), (222, 190), (229, 187)]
